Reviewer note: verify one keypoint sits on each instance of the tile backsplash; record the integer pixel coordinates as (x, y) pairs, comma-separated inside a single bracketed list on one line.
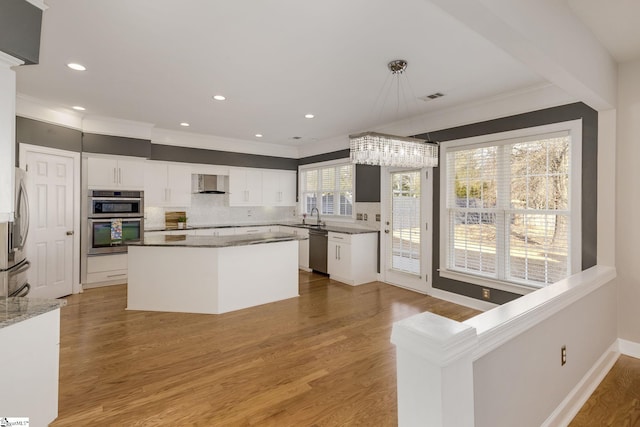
[(214, 209)]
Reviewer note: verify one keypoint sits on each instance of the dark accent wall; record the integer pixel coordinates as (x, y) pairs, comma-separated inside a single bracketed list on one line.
[(20, 24), (216, 157), (118, 145), (367, 177), (325, 157), (34, 132), (589, 183), (367, 183)]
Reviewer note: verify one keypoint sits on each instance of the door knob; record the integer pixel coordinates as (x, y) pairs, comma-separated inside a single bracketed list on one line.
[(69, 233), (386, 231)]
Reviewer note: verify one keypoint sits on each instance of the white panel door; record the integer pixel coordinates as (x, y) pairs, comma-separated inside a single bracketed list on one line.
[(50, 241)]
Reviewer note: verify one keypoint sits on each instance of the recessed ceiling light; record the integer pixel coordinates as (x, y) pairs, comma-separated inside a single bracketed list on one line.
[(79, 108), (77, 67), (185, 124), (309, 116), (258, 135), (219, 97)]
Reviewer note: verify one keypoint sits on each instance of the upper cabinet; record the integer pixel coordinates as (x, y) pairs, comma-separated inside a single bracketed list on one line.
[(110, 173), (279, 188), (245, 187), (167, 184)]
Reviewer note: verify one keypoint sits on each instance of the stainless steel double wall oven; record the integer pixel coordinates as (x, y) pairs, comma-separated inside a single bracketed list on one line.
[(110, 210)]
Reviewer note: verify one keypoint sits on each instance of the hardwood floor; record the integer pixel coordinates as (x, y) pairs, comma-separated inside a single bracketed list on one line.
[(323, 359), (616, 401)]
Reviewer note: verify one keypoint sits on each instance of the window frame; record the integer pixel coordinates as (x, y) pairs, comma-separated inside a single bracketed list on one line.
[(574, 128), (319, 166)]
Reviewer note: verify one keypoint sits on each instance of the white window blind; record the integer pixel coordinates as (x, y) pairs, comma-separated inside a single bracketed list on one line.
[(509, 209), (328, 188)]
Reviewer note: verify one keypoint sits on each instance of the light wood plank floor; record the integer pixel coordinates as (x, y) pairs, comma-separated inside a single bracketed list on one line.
[(323, 359), (616, 401)]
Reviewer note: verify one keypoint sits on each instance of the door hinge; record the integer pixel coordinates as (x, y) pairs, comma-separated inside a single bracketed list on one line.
[(426, 226), (26, 167), (426, 174), (426, 277)]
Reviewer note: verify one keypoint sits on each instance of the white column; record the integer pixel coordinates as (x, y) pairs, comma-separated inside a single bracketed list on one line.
[(7, 135), (435, 371)]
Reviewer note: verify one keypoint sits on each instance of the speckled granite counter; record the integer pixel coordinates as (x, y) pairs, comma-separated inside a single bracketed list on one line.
[(214, 241), (14, 310)]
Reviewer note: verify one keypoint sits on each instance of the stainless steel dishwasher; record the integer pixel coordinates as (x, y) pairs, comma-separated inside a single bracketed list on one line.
[(318, 250)]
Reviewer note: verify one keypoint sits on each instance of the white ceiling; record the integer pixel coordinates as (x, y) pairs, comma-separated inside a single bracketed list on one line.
[(161, 61), (614, 23)]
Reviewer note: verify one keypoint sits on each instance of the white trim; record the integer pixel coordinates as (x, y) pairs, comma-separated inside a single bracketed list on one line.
[(629, 348), (474, 303), (574, 129), (9, 61), (506, 322), (24, 148), (578, 396), (39, 4)]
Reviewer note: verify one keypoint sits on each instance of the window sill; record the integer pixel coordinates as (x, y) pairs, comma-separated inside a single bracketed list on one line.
[(487, 282)]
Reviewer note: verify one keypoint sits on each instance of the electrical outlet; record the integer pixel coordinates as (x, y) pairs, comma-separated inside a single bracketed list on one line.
[(378, 217), (249, 212), (563, 355), (366, 217), (359, 216), (486, 293)]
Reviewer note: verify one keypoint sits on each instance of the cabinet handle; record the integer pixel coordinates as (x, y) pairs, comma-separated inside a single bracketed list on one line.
[(119, 175), (115, 178), (339, 253)]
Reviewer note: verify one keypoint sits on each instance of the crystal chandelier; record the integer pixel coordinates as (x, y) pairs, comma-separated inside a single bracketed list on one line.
[(372, 148)]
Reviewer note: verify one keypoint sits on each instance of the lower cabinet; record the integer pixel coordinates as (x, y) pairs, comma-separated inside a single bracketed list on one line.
[(30, 363), (303, 245), (106, 269), (352, 258)]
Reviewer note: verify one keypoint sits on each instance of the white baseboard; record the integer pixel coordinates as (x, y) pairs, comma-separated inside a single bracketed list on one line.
[(629, 348), (570, 406), (461, 300)]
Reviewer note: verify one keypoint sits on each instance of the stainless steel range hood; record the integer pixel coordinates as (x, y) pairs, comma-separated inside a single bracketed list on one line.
[(211, 184)]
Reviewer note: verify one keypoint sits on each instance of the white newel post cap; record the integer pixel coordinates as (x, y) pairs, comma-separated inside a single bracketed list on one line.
[(437, 339)]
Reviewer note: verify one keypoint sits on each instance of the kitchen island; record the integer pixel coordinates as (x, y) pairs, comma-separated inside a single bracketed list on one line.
[(211, 274)]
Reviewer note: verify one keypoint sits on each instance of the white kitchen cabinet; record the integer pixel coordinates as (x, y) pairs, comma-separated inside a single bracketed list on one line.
[(110, 173), (352, 258), (253, 230), (106, 270), (167, 184), (223, 231), (245, 187), (303, 245), (279, 188), (30, 368)]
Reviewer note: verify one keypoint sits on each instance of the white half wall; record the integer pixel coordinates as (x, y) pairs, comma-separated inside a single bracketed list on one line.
[(522, 382)]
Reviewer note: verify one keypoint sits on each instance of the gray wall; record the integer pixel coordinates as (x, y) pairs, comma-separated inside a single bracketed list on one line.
[(589, 183), (20, 24)]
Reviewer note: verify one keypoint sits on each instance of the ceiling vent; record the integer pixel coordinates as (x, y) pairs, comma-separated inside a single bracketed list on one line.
[(432, 96)]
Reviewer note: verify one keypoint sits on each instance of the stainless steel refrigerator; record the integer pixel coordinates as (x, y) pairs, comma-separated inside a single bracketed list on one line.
[(13, 236)]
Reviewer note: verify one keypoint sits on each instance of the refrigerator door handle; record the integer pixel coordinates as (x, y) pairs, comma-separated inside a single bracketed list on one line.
[(23, 267), (22, 291), (23, 195)]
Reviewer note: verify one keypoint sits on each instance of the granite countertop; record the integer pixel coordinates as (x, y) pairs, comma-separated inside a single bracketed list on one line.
[(16, 309), (333, 228), (215, 241)]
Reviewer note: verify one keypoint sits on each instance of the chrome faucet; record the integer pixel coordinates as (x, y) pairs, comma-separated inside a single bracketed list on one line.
[(318, 223)]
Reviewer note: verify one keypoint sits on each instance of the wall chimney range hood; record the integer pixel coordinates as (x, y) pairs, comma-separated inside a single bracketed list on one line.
[(211, 184)]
